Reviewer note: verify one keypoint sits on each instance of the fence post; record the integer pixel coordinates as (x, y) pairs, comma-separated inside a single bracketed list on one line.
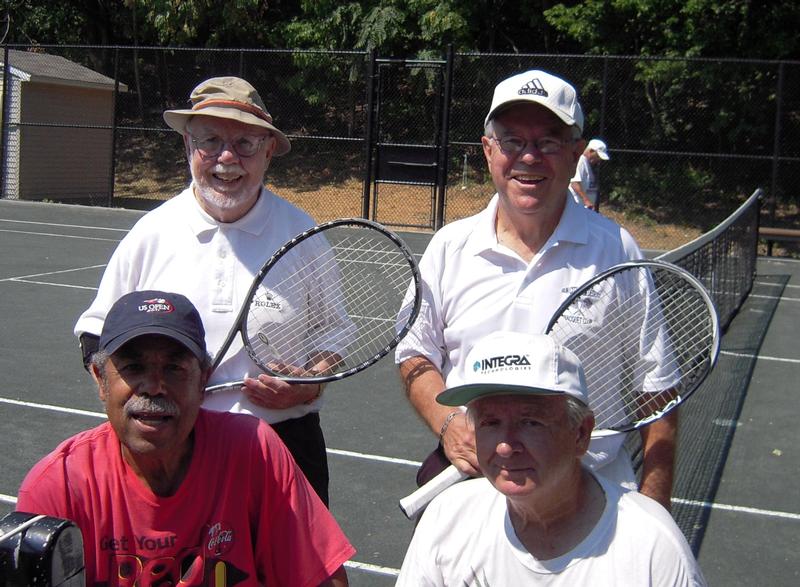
[(368, 135), (5, 116), (113, 171), (444, 141), (603, 99), (776, 145)]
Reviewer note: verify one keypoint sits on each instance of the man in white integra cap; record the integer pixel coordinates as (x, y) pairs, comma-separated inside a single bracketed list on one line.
[(510, 266), (208, 242), (539, 516), (584, 185)]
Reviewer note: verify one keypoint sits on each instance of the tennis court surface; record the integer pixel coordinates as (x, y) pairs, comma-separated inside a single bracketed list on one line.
[(736, 496)]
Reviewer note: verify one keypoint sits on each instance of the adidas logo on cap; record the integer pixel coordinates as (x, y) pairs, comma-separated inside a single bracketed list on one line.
[(533, 88)]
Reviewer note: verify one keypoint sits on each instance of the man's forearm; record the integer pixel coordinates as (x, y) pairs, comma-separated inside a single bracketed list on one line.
[(658, 458), (423, 382)]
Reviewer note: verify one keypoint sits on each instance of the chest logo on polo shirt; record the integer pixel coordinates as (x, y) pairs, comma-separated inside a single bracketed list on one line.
[(579, 310), (267, 301)]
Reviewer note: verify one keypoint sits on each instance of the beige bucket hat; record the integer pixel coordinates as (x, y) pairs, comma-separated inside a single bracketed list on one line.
[(232, 98)]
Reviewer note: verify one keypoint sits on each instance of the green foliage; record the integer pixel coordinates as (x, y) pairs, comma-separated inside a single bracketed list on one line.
[(689, 28)]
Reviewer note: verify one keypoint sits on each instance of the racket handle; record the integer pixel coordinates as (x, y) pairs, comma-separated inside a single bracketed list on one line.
[(414, 503), (224, 386)]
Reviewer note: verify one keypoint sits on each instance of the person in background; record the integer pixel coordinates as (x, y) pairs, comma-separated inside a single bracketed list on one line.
[(584, 185), (510, 267), (166, 492), (208, 242), (539, 517)]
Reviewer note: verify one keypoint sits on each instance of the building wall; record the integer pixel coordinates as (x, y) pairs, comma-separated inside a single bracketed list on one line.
[(65, 162)]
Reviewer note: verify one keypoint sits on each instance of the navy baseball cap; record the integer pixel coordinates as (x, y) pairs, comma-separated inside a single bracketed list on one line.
[(153, 312)]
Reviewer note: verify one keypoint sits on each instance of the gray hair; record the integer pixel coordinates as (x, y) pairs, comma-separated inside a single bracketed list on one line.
[(100, 359)]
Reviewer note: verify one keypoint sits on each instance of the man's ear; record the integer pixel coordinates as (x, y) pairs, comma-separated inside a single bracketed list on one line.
[(584, 434), (487, 148), (204, 377), (98, 379), (187, 147)]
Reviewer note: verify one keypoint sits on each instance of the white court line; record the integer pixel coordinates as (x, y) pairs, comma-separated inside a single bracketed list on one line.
[(736, 508), (88, 238), (21, 277), (16, 402), (375, 569), (703, 504), (360, 455), (759, 357), (781, 298), (101, 415), (52, 284), (771, 284), (64, 225)]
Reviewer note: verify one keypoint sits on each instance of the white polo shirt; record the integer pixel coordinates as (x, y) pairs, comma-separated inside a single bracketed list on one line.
[(466, 537), (179, 248), (472, 286)]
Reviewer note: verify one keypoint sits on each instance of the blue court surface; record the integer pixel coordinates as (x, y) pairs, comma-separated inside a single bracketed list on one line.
[(745, 528)]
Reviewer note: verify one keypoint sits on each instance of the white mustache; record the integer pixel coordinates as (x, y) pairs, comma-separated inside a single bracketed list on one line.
[(220, 168), (153, 405)]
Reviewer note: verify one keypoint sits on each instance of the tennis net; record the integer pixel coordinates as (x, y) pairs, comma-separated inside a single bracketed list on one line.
[(724, 259)]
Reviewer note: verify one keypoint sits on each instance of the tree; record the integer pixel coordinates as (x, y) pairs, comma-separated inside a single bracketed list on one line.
[(763, 29)]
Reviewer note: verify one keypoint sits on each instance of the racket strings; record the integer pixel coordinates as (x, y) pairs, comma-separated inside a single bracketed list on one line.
[(349, 286), (643, 338)]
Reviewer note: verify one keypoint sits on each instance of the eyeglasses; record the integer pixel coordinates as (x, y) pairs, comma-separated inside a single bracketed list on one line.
[(213, 146), (512, 145)]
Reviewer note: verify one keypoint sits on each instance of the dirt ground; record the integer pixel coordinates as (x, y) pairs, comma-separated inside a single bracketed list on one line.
[(410, 207)]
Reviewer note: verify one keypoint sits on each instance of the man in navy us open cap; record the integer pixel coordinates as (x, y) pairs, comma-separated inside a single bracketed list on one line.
[(170, 490)]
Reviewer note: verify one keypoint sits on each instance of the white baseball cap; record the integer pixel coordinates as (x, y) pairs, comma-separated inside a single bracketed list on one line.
[(600, 148), (542, 88), (511, 363)]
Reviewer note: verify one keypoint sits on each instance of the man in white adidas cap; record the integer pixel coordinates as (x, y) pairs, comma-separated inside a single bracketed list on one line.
[(539, 516), (510, 266), (208, 242), (584, 184)]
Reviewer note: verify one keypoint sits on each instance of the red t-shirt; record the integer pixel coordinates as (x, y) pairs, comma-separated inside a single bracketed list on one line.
[(244, 514)]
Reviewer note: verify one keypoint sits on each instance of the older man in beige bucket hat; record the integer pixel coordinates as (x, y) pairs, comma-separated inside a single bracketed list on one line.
[(207, 243)]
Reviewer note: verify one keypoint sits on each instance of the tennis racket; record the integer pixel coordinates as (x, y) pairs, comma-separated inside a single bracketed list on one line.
[(647, 335), (329, 303)]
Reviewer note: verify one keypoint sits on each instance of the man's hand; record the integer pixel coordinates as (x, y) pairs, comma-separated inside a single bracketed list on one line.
[(423, 382), (277, 394), (458, 442)]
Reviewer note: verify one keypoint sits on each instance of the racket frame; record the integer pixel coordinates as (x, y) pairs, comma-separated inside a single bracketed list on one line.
[(240, 322), (713, 316)]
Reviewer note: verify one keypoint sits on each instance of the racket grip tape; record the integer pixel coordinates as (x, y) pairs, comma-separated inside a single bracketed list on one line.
[(414, 503)]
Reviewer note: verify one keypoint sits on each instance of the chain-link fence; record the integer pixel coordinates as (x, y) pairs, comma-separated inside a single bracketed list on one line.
[(399, 140)]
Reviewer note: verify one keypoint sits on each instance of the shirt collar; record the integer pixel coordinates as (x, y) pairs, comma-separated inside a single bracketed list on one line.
[(573, 227), (254, 222)]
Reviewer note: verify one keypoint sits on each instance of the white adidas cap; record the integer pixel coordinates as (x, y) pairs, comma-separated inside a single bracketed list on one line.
[(600, 148), (542, 88), (511, 363)]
